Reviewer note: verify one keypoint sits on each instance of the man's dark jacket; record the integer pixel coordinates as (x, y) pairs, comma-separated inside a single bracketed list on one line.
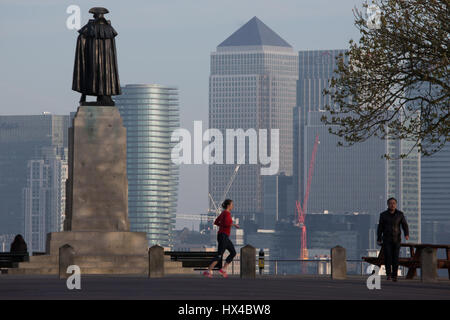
[(389, 226)]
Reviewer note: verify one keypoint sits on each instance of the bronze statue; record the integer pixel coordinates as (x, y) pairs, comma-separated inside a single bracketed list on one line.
[(95, 72)]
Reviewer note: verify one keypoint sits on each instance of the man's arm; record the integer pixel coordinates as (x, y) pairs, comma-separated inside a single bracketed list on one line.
[(380, 229), (405, 227)]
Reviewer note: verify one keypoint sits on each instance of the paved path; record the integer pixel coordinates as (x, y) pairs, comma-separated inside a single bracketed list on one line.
[(199, 288)]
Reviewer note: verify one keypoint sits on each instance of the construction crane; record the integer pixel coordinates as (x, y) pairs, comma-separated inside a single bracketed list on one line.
[(301, 210), (227, 189), (191, 216), (217, 209)]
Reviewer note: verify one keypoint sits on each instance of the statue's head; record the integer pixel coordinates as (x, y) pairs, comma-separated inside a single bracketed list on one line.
[(98, 12)]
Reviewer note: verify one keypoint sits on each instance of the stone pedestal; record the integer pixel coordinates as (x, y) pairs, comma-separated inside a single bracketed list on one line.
[(99, 243), (338, 263), (97, 187)]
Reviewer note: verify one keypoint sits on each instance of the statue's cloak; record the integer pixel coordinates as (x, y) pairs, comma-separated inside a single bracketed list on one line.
[(95, 71)]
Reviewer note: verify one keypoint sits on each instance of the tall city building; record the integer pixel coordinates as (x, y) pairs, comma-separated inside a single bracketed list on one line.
[(44, 197), (348, 179), (316, 68), (22, 139), (252, 85), (279, 200), (150, 114), (403, 183), (435, 200), (345, 179)]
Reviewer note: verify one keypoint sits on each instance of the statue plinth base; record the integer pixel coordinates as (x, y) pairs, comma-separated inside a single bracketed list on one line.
[(96, 224), (98, 242), (97, 188)]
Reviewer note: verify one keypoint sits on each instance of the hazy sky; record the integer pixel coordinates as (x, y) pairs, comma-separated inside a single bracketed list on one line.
[(160, 41)]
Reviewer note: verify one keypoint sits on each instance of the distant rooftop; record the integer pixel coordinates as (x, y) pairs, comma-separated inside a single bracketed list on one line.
[(254, 33)]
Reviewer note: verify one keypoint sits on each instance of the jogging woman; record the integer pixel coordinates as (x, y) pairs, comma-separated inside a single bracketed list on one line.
[(225, 223)]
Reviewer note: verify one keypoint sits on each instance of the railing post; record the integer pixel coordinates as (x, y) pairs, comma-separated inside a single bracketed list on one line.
[(156, 262), (338, 263), (248, 262), (66, 259), (428, 265)]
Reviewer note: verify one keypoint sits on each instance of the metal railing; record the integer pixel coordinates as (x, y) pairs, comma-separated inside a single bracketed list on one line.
[(310, 267)]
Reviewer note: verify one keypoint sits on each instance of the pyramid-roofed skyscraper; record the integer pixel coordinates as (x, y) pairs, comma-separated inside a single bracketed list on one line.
[(252, 85), (255, 33)]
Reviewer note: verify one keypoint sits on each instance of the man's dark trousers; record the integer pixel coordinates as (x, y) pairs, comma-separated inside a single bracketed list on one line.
[(391, 251)]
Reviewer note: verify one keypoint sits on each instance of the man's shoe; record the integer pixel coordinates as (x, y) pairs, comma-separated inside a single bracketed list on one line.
[(394, 279), (223, 273), (388, 277), (207, 274)]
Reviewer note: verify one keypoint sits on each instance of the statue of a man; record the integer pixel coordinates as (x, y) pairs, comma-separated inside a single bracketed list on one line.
[(95, 72)]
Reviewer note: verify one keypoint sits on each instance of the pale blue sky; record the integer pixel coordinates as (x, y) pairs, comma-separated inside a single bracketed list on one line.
[(160, 41)]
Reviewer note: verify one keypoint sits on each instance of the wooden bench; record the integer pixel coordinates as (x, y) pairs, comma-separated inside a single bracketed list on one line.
[(413, 262), (198, 260), (11, 260)]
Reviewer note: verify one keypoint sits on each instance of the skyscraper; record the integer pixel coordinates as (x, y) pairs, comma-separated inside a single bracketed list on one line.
[(403, 183), (316, 67), (348, 179), (44, 196), (150, 113), (252, 85), (345, 179), (435, 182), (22, 139)]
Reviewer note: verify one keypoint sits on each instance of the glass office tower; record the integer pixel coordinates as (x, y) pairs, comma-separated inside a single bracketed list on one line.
[(316, 67), (252, 85), (348, 179), (44, 197), (22, 138), (150, 113)]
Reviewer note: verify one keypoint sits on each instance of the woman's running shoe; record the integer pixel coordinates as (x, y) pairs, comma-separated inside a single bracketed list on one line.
[(223, 273), (207, 274)]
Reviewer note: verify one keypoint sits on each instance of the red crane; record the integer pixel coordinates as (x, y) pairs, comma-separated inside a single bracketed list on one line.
[(301, 210)]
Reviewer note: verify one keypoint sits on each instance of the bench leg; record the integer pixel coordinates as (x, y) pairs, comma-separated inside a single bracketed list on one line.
[(412, 272), (415, 256)]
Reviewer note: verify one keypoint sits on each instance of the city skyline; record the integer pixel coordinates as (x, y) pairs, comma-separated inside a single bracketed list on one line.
[(187, 173), (307, 25)]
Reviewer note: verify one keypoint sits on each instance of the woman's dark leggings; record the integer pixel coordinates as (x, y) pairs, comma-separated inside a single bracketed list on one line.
[(224, 244)]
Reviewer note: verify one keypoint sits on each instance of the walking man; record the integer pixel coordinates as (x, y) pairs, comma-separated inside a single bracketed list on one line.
[(389, 236), (225, 222)]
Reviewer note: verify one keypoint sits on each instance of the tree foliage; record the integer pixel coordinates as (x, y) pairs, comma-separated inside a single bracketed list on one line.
[(394, 82)]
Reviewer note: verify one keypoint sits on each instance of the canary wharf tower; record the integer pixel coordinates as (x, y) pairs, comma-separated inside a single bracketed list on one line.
[(252, 85)]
